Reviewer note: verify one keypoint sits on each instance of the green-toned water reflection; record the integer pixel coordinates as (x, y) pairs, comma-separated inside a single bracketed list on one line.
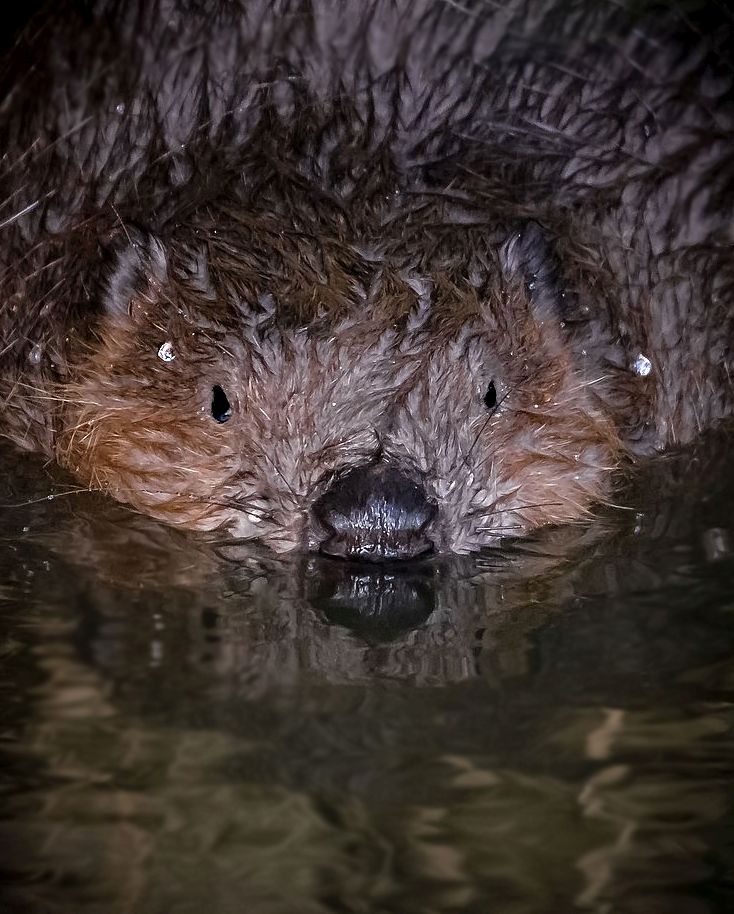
[(189, 727)]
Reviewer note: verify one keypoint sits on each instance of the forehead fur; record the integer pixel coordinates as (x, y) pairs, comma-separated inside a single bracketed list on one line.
[(320, 266)]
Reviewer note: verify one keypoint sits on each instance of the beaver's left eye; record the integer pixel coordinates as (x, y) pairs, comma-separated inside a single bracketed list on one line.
[(490, 398), (221, 410)]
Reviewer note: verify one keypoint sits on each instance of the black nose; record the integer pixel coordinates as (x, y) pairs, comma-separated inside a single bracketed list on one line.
[(375, 513)]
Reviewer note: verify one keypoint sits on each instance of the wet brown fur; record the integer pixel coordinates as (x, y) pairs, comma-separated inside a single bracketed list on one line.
[(347, 263)]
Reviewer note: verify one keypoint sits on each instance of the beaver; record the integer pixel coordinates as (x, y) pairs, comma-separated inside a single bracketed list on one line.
[(371, 278)]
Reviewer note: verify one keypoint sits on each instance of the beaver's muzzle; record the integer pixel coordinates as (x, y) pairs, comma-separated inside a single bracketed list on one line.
[(375, 513)]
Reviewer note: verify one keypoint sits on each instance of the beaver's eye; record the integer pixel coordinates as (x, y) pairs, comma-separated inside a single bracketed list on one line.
[(221, 410), (490, 398)]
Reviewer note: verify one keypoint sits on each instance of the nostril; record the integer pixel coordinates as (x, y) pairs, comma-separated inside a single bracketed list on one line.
[(375, 513), (426, 515), (332, 518)]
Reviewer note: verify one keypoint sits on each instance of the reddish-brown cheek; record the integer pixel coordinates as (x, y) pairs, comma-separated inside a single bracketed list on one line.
[(550, 455), (171, 469)]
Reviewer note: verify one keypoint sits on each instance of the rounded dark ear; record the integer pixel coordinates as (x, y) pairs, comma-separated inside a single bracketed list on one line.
[(138, 269), (529, 255)]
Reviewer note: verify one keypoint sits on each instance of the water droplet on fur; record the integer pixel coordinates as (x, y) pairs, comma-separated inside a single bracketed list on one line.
[(716, 543), (642, 366), (120, 108), (35, 355), (156, 652), (167, 353)]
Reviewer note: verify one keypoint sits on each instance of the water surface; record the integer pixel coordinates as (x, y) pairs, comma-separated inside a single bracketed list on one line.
[(187, 726)]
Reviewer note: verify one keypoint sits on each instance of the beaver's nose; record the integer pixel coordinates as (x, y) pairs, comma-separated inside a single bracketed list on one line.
[(375, 513)]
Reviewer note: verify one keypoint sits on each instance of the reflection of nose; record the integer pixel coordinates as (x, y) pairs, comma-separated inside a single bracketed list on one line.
[(375, 513), (378, 601)]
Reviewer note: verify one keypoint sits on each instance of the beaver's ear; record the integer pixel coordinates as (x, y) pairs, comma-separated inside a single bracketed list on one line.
[(137, 275), (528, 256)]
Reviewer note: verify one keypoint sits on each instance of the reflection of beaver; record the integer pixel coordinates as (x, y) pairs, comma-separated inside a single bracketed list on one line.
[(413, 275)]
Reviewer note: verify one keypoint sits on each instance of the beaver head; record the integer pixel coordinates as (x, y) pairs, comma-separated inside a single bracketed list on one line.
[(413, 410)]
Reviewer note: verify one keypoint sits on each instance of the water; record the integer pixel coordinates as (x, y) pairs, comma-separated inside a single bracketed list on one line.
[(187, 727)]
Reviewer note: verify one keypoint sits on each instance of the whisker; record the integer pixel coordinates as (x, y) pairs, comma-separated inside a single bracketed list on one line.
[(233, 504), (517, 507), (492, 528), (277, 470), (21, 213), (50, 497), (260, 513)]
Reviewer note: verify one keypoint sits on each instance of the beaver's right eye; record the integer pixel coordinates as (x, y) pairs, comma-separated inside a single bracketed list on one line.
[(221, 410), (490, 398)]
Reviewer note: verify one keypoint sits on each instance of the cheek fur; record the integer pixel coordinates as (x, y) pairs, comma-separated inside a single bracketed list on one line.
[(543, 456), (156, 447)]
